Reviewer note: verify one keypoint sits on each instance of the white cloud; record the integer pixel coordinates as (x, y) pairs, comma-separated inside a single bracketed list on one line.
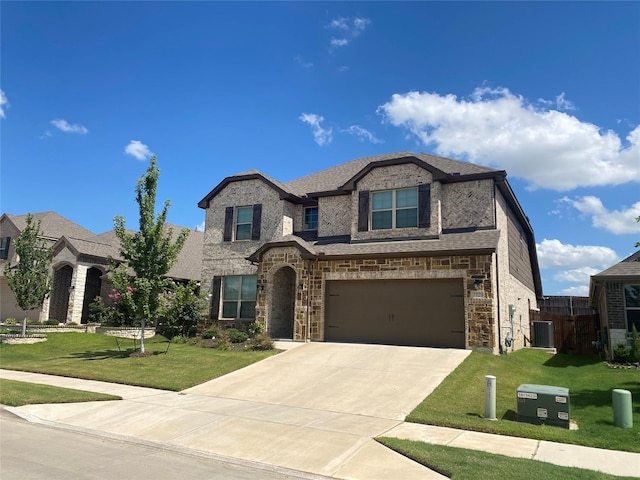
[(320, 135), (577, 275), (138, 150), (362, 133), (199, 227), (339, 42), (548, 148), (576, 291), (4, 103), (555, 254), (349, 29), (67, 127), (614, 221), (46, 134), (302, 62)]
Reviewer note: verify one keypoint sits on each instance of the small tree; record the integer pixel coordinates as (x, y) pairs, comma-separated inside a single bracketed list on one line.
[(150, 252), (29, 279)]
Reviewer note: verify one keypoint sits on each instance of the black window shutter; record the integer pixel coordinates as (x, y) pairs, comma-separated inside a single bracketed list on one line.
[(424, 205), (215, 298), (228, 224), (363, 210), (256, 223)]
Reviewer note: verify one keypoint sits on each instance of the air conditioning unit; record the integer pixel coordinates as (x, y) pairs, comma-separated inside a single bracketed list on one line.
[(542, 335)]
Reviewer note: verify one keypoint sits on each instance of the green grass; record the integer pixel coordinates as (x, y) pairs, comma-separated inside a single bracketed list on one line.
[(96, 357), (463, 464), (15, 394), (459, 401)]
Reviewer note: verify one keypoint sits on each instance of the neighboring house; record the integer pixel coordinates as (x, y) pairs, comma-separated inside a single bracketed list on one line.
[(79, 263), (403, 248), (615, 295)]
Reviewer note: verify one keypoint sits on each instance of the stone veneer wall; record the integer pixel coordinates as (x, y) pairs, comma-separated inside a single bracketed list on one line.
[(479, 303)]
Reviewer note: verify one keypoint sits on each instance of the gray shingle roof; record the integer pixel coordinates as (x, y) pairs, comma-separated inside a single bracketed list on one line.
[(479, 241), (52, 226), (629, 267), (335, 177)]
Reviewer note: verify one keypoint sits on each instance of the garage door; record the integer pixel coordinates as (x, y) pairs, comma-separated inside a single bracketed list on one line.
[(396, 312)]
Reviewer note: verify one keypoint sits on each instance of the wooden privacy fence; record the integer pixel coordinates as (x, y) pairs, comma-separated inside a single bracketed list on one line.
[(573, 334)]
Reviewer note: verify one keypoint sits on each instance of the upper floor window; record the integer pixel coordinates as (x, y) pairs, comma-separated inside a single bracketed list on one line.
[(242, 223), (632, 306), (311, 218), (239, 296), (394, 209), (244, 217), (4, 247)]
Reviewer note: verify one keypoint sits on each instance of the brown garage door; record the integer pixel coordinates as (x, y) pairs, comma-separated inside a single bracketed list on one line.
[(396, 312)]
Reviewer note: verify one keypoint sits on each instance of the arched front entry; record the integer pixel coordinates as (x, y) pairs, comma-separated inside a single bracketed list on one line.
[(60, 293), (283, 302), (92, 290)]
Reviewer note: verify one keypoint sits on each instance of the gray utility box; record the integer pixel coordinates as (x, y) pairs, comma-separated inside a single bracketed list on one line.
[(543, 404)]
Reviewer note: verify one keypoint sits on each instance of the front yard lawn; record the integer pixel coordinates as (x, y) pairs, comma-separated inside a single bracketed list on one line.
[(459, 401), (97, 357), (15, 394), (464, 464)]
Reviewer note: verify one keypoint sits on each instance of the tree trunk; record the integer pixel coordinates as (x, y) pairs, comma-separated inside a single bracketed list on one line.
[(142, 322), (24, 324)]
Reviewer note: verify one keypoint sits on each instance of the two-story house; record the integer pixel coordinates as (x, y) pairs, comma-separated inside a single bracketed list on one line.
[(403, 248)]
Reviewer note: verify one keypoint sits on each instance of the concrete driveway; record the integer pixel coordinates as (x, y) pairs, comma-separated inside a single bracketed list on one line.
[(314, 408)]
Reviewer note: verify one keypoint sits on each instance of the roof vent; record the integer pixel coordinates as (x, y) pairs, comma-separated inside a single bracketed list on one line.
[(455, 173)]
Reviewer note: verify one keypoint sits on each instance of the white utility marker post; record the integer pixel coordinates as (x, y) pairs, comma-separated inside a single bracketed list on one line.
[(490, 397)]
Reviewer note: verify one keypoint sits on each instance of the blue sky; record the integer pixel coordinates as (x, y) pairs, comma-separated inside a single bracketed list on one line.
[(548, 91)]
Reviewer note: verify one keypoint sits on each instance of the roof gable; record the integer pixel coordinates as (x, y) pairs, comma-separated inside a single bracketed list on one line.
[(250, 175)]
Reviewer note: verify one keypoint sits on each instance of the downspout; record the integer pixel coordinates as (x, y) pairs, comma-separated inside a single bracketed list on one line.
[(308, 333), (498, 302)]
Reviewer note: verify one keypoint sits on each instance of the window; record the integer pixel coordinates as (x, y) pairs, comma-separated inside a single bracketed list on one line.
[(242, 223), (239, 296), (244, 216), (4, 247), (311, 218), (632, 305), (394, 209)]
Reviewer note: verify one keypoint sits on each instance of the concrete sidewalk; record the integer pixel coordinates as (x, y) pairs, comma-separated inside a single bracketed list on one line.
[(314, 409)]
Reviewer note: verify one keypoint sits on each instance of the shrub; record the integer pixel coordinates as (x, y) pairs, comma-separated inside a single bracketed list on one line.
[(210, 333), (34, 322), (223, 344), (255, 328), (621, 353), (51, 322), (236, 336), (634, 350), (261, 341), (10, 321), (72, 324)]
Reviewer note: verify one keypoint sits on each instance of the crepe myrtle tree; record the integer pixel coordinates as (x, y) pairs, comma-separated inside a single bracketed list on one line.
[(149, 253), (29, 279)]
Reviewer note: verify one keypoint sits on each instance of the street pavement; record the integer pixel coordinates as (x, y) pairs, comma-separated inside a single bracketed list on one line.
[(37, 452), (315, 408)]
